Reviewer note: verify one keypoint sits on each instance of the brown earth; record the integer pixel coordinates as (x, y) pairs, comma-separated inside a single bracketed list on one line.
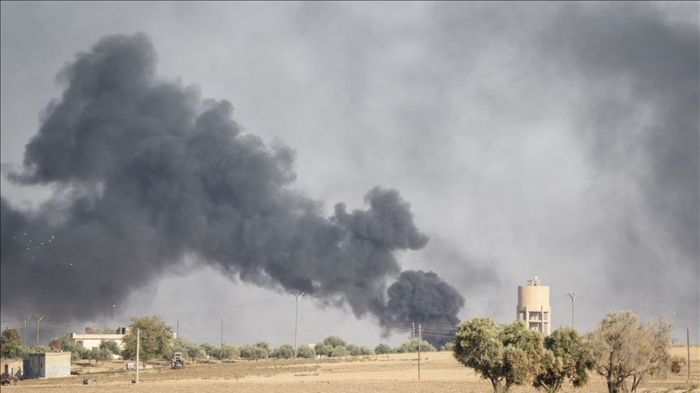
[(385, 373)]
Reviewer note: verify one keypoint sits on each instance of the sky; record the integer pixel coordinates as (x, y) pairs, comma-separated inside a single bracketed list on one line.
[(549, 139)]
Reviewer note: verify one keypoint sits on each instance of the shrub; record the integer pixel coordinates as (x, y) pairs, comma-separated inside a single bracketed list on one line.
[(382, 349)]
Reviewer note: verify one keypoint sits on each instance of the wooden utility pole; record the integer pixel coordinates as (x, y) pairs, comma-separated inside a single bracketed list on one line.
[(177, 331), (298, 295), (25, 332), (222, 340), (420, 337), (413, 330), (687, 338), (138, 349), (37, 319)]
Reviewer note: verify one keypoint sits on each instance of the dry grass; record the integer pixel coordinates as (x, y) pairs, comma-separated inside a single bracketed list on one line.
[(386, 373)]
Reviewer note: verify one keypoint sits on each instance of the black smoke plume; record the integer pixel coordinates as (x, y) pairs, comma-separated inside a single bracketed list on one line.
[(147, 173)]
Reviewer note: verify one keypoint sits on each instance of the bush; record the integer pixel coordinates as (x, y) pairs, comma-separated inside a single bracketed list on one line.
[(356, 350), (447, 347), (306, 352), (339, 351), (677, 364), (382, 349), (285, 351)]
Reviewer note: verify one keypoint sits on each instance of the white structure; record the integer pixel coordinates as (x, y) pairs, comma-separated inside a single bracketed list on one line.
[(93, 340), (533, 306)]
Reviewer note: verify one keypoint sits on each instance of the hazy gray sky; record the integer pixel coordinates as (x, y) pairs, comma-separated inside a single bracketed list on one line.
[(553, 139)]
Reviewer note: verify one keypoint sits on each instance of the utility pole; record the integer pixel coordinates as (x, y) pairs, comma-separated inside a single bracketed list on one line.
[(25, 332), (222, 339), (177, 331), (573, 295), (413, 330), (298, 295), (687, 337), (37, 319), (138, 349), (420, 338)]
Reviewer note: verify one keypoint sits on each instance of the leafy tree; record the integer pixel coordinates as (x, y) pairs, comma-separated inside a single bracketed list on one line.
[(447, 347), (306, 352), (506, 355), (285, 351), (228, 352), (156, 339), (100, 355), (566, 357), (625, 350), (334, 341), (323, 349), (38, 349), (11, 344), (412, 346), (382, 349), (357, 350), (339, 352), (258, 351), (111, 346)]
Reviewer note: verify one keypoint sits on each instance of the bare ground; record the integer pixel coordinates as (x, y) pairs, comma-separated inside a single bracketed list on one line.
[(385, 373)]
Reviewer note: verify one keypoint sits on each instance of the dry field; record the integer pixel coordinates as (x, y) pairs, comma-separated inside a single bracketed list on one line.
[(385, 373)]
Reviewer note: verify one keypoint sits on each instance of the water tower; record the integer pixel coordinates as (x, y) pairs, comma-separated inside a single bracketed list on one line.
[(533, 306)]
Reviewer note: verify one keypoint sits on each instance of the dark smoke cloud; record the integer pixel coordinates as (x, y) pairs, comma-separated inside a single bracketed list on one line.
[(148, 173), (424, 297)]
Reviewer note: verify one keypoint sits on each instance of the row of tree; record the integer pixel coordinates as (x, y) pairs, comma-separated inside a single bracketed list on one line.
[(621, 349)]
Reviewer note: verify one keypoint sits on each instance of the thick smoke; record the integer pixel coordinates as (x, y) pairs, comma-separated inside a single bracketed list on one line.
[(147, 173), (426, 298)]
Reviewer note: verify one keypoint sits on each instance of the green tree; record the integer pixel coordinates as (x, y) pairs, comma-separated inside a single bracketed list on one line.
[(306, 352), (566, 357), (359, 350), (228, 352), (412, 346), (285, 351), (506, 355), (100, 355), (625, 351), (111, 346), (334, 341), (156, 339), (382, 349), (323, 349), (11, 344), (257, 351), (447, 347), (339, 352)]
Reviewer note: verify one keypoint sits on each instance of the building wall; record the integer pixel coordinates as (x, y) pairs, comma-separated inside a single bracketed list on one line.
[(46, 365), (90, 341)]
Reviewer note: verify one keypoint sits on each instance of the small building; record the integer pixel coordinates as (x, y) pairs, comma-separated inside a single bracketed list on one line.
[(46, 365), (533, 307)]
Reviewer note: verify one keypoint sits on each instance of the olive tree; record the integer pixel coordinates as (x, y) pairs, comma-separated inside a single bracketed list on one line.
[(625, 351), (156, 339), (566, 357), (506, 355)]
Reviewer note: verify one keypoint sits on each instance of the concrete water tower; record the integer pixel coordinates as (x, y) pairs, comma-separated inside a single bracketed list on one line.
[(533, 306)]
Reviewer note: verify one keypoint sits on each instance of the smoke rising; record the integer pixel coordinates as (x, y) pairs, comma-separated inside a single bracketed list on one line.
[(147, 172)]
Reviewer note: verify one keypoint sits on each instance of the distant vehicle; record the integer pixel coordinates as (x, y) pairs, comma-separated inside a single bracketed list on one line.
[(177, 361)]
